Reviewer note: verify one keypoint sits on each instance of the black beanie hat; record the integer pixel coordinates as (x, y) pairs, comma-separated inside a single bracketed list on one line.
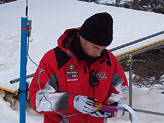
[(98, 29)]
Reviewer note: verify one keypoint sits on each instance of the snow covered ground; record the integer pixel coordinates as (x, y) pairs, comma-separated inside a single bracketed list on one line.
[(142, 99), (49, 20)]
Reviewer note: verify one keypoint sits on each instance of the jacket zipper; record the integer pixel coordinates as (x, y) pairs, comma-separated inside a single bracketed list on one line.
[(85, 69)]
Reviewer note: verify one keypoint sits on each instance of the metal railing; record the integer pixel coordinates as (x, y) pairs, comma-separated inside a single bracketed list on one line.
[(137, 41), (129, 56)]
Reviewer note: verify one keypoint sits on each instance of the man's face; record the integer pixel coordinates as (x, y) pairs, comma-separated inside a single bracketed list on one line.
[(91, 49)]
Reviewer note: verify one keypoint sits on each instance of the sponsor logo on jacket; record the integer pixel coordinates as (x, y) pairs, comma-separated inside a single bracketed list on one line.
[(101, 75), (72, 77)]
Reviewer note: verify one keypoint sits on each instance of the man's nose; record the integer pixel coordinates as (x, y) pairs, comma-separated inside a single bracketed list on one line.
[(98, 53)]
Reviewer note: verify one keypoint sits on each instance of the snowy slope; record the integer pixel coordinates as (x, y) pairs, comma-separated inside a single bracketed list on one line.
[(50, 19)]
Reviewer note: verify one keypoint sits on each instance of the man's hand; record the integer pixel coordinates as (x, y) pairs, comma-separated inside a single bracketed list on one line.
[(108, 110), (100, 114), (84, 104)]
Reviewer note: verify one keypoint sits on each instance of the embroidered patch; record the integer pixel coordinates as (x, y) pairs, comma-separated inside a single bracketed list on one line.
[(72, 67), (72, 77), (72, 72)]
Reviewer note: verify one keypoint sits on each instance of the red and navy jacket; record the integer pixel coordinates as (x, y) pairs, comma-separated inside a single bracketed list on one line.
[(61, 76)]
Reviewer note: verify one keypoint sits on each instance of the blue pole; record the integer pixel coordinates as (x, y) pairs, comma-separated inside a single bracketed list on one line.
[(23, 60)]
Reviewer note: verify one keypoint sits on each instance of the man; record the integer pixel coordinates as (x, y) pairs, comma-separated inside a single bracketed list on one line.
[(78, 73)]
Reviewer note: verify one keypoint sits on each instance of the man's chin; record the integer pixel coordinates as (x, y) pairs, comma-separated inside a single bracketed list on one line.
[(92, 56)]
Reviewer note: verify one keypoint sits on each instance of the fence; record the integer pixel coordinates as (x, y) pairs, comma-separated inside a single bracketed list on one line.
[(129, 55)]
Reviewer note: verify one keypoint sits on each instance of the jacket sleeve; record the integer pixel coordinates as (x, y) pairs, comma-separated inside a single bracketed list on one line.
[(119, 85), (45, 93)]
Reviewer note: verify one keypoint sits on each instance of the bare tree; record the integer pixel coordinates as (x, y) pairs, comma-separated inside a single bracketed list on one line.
[(117, 2), (135, 4)]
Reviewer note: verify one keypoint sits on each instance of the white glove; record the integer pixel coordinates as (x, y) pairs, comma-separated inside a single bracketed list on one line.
[(84, 105), (100, 114)]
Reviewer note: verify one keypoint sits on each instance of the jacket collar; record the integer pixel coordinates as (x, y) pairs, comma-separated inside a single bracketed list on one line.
[(65, 40)]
